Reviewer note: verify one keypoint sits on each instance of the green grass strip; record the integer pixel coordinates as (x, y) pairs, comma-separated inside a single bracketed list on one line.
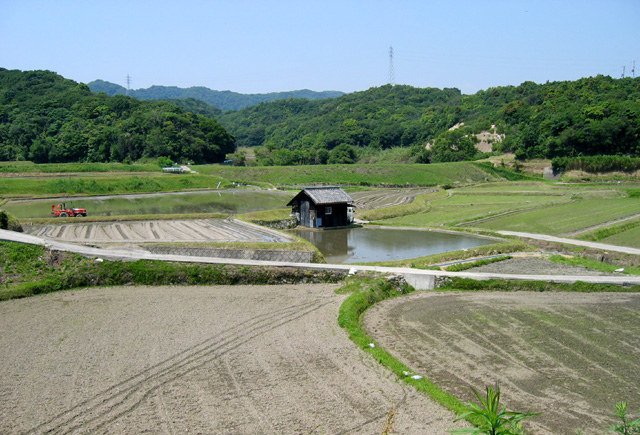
[(366, 293), (30, 270), (420, 205), (500, 285), (471, 264), (593, 264), (603, 233), (445, 257)]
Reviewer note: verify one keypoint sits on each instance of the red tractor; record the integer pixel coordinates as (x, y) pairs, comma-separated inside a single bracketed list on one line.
[(61, 210)]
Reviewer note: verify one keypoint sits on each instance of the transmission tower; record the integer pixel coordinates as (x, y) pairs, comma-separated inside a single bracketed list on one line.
[(392, 74), (633, 69), (623, 68), (128, 84)]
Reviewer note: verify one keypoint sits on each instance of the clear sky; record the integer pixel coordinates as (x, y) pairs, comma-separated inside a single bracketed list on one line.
[(259, 46)]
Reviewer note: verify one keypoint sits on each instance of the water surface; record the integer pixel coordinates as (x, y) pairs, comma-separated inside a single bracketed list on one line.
[(361, 245), (221, 201)]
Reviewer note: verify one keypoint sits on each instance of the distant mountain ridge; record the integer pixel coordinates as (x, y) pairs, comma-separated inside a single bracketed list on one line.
[(224, 100)]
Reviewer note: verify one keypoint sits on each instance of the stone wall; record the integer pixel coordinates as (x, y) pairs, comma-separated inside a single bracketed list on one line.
[(247, 254), (285, 224)]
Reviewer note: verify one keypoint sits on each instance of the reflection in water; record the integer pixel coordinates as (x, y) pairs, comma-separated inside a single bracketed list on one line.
[(361, 245)]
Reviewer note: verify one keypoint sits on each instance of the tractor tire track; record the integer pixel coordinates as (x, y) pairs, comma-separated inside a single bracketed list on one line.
[(218, 360), (121, 399)]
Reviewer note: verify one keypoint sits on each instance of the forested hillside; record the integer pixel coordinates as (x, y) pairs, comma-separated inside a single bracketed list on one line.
[(224, 100), (590, 116), (46, 118)]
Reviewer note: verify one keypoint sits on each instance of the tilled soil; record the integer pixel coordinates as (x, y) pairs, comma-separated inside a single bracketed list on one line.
[(374, 199), (214, 360), (166, 231), (537, 266), (569, 356)]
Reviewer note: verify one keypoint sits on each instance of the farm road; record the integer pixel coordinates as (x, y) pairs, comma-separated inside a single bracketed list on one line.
[(416, 277), (215, 360), (554, 239)]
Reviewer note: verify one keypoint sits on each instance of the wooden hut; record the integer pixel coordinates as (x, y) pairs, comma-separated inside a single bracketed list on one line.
[(322, 207)]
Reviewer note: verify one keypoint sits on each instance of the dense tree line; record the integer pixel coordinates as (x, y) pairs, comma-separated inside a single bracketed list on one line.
[(354, 125), (46, 118), (595, 164), (590, 116), (224, 100)]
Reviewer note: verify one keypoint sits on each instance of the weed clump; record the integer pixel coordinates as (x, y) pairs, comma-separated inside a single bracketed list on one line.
[(9, 222)]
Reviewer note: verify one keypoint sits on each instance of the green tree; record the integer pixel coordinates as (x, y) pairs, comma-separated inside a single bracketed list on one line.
[(342, 154), (454, 146)]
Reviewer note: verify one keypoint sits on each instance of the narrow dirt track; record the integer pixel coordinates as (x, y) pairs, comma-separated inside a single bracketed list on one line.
[(215, 360)]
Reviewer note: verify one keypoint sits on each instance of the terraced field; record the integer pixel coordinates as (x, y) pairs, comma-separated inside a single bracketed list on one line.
[(208, 360), (185, 231), (375, 199), (565, 218), (569, 356)]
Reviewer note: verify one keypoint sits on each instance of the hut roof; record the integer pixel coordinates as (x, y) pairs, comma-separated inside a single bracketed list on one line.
[(325, 195)]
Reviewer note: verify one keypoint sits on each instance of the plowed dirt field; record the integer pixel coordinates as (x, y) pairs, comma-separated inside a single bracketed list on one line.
[(210, 360), (176, 231), (569, 356), (374, 199)]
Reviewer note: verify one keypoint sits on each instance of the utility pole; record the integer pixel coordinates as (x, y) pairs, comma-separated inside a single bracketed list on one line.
[(623, 67), (392, 74), (633, 69)]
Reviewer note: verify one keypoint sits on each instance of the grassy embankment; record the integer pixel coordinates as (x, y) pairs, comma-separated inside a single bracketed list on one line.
[(367, 291), (109, 184), (397, 175), (471, 202), (531, 206), (111, 179), (44, 169), (30, 270)]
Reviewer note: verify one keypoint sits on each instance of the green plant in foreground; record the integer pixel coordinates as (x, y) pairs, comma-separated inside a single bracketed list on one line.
[(492, 420), (625, 426)]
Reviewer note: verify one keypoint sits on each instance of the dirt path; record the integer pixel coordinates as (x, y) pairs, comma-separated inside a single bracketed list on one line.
[(594, 245), (570, 356), (215, 360)]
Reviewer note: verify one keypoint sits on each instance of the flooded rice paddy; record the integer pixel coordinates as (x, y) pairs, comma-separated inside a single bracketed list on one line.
[(361, 245), (351, 245), (224, 201)]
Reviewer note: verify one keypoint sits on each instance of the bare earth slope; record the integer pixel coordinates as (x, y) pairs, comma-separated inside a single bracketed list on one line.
[(215, 360)]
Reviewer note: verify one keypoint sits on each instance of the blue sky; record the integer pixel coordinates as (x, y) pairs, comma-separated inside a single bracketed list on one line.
[(253, 46)]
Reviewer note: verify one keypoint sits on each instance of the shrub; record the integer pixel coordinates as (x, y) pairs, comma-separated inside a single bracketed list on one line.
[(492, 419), (9, 222), (595, 164)]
